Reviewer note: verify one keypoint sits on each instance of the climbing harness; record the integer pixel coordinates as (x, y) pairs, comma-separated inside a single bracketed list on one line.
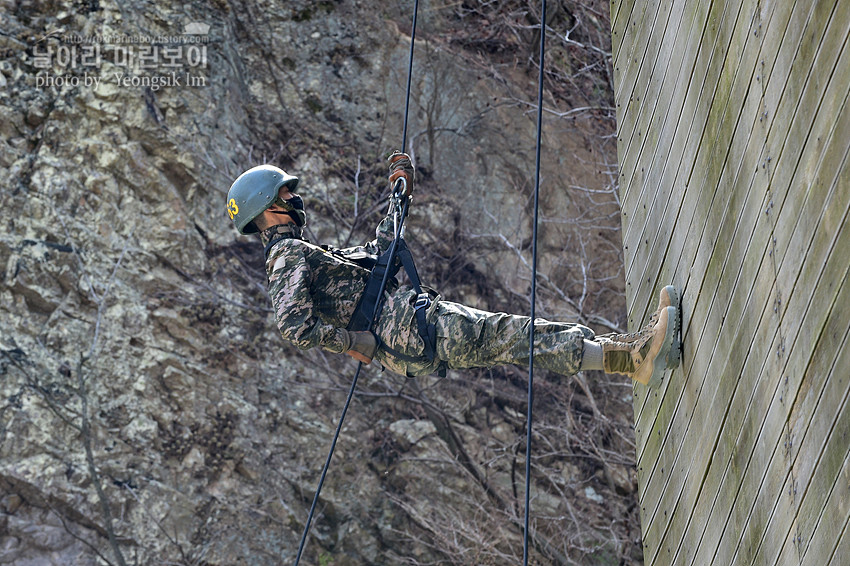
[(386, 267), (427, 331), (399, 192)]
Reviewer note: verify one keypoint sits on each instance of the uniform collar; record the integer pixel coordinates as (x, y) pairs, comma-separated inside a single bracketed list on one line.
[(281, 231)]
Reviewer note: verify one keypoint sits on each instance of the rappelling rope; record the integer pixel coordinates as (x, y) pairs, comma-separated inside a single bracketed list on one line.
[(533, 285), (409, 75), (401, 201)]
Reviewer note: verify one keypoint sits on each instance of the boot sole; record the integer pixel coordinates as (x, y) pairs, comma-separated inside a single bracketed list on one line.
[(672, 295), (672, 359), (664, 351)]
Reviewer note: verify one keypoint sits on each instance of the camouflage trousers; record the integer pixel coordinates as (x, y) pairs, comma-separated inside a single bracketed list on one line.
[(473, 338)]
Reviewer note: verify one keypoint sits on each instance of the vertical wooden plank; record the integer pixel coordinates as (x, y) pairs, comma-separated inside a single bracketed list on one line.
[(630, 29), (621, 11), (820, 451), (637, 56), (722, 216), (671, 192), (831, 541), (735, 186), (634, 132)]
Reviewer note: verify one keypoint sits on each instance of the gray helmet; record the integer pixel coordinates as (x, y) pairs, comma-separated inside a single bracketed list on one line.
[(253, 192)]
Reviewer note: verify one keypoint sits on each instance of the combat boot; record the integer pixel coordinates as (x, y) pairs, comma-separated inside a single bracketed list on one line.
[(668, 297), (645, 357)]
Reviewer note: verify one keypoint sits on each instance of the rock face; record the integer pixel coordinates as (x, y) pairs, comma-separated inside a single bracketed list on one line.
[(150, 412)]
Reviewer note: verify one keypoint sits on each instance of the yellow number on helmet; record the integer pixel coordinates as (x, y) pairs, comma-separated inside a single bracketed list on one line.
[(232, 209)]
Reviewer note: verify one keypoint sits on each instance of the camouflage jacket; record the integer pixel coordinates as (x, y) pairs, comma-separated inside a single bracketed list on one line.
[(313, 291)]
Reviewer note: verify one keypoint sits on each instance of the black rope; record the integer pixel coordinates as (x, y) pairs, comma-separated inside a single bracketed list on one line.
[(409, 75), (327, 463), (349, 398), (533, 285), (378, 305)]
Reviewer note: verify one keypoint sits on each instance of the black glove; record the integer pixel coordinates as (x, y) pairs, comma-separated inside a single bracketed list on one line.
[(362, 346), (401, 166)]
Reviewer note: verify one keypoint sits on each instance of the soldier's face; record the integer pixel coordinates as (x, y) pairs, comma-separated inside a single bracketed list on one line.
[(288, 208)]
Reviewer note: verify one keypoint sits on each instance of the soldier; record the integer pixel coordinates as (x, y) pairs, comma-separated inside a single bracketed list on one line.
[(315, 292)]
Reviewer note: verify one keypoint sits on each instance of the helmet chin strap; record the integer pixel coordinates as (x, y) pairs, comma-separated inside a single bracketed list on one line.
[(294, 207)]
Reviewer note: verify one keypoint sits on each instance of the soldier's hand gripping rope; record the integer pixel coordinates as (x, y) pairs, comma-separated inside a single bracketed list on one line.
[(401, 167)]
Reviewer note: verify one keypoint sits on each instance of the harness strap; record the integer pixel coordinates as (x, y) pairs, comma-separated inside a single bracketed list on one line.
[(361, 257), (428, 332), (362, 315)]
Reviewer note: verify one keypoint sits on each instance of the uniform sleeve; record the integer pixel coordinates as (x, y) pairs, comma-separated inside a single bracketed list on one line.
[(384, 234), (289, 290)]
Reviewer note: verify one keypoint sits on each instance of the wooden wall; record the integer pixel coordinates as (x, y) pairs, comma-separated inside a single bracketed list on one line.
[(733, 136)]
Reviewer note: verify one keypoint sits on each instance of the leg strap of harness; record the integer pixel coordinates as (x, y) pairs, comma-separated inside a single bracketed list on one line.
[(428, 332)]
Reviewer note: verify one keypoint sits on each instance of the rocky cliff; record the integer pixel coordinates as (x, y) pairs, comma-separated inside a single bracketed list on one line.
[(151, 414)]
